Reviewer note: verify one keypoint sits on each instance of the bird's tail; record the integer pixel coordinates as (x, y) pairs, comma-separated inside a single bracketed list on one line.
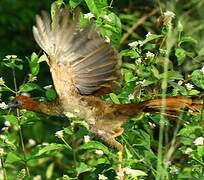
[(169, 106), (175, 104)]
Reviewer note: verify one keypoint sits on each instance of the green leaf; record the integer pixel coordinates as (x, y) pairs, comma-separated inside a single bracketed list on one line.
[(96, 6), (129, 66), (29, 87), (128, 76), (51, 94), (111, 29), (42, 58), (201, 52), (81, 123), (180, 54), (92, 6), (150, 38), (74, 3), (194, 92), (12, 65), (155, 72), (11, 158), (172, 75), (187, 39), (84, 168), (95, 145), (130, 52), (68, 130), (50, 147), (198, 78), (34, 65), (200, 150), (136, 173), (11, 118), (50, 170), (114, 98)]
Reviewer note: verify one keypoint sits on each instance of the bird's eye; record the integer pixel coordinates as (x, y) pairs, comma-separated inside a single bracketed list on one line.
[(17, 102)]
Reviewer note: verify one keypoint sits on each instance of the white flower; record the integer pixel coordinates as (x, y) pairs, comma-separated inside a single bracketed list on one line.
[(87, 139), (32, 142), (120, 175), (38, 177), (32, 78), (11, 56), (45, 143), (1, 151), (3, 105), (153, 125), (134, 43), (3, 137), (167, 163), (130, 171), (188, 151), (59, 133), (99, 152), (48, 87), (169, 14), (102, 177), (107, 18), (199, 141), (26, 94), (142, 82), (5, 129), (131, 97), (163, 51), (189, 86), (173, 170), (149, 54), (7, 123), (139, 60), (202, 70), (148, 34), (107, 39), (1, 81), (89, 15)]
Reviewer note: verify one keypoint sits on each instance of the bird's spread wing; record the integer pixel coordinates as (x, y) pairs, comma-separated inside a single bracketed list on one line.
[(94, 63)]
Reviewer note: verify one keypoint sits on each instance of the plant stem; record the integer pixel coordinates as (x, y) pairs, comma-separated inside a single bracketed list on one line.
[(20, 129), (4, 170)]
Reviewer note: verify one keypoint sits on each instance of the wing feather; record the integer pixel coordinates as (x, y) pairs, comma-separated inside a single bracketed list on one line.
[(93, 62)]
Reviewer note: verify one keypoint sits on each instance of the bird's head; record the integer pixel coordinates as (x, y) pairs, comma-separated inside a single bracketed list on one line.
[(22, 102)]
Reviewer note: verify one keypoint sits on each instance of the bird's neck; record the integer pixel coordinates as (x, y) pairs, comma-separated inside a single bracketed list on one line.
[(50, 108)]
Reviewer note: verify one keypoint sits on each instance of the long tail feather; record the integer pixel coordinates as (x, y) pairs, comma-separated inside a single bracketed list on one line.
[(175, 104)]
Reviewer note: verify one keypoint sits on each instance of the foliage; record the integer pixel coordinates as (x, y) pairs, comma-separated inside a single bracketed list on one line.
[(168, 61)]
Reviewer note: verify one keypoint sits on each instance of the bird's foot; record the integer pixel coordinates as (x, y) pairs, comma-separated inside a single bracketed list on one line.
[(119, 132)]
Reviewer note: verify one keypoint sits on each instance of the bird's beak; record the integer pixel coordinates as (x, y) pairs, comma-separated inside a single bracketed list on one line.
[(11, 105)]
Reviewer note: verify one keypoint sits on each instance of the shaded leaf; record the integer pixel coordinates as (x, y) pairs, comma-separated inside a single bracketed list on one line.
[(50, 147)]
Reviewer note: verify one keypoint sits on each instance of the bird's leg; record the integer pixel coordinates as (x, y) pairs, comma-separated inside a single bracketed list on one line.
[(109, 138), (119, 132)]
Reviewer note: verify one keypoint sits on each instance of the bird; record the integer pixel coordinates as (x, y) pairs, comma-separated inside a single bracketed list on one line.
[(83, 67)]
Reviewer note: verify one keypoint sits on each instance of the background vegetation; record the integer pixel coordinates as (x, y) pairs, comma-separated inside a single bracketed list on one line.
[(167, 61)]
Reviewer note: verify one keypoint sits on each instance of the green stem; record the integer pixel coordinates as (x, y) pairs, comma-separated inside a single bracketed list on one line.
[(67, 145), (4, 170), (9, 88), (20, 130)]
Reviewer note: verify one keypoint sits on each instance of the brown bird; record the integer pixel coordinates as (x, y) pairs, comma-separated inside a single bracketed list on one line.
[(84, 66)]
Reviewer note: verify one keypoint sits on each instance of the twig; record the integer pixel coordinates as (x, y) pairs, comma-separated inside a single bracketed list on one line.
[(135, 26), (20, 129)]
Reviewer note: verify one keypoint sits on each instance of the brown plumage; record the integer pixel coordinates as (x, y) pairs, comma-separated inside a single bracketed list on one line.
[(84, 66)]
